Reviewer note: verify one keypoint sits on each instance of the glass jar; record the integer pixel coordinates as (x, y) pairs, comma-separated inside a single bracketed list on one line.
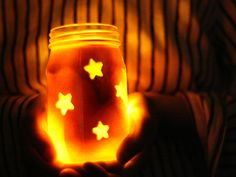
[(87, 93)]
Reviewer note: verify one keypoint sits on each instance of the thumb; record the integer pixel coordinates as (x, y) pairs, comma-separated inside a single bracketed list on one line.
[(38, 153), (33, 136), (143, 128)]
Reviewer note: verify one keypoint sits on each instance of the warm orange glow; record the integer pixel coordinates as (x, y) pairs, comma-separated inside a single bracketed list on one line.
[(121, 91), (101, 131), (94, 69), (137, 110), (57, 137), (95, 102), (54, 129), (64, 103), (86, 71)]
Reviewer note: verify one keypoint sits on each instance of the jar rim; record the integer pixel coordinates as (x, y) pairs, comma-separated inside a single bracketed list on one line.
[(84, 32), (85, 25)]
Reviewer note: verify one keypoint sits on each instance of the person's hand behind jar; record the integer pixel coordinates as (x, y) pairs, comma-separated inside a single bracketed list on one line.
[(94, 169), (146, 112), (133, 150), (38, 153), (150, 115)]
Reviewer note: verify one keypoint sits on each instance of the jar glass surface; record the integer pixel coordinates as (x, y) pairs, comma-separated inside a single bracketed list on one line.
[(87, 93)]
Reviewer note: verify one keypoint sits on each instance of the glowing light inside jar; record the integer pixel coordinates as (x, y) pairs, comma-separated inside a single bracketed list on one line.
[(87, 95)]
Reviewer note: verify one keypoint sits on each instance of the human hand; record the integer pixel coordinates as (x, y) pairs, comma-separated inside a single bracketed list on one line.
[(38, 153), (146, 114), (96, 169), (133, 150), (152, 114)]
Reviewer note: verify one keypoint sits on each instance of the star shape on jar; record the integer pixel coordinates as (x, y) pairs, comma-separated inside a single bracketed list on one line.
[(121, 91), (101, 131), (94, 69), (64, 103)]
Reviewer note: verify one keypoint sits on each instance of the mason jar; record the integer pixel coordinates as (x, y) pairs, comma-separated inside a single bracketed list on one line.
[(87, 93)]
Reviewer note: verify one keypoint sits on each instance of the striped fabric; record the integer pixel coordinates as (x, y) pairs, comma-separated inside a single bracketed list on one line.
[(169, 46)]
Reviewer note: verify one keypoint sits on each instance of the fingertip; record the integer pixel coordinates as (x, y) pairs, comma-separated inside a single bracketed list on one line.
[(69, 172)]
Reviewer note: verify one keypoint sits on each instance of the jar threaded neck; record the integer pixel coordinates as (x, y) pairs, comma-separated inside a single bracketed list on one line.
[(78, 34)]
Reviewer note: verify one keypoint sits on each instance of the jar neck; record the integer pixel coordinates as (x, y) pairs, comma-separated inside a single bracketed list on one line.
[(84, 34)]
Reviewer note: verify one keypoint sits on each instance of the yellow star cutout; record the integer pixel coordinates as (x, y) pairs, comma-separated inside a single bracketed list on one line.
[(121, 91), (64, 103), (101, 131), (94, 69)]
